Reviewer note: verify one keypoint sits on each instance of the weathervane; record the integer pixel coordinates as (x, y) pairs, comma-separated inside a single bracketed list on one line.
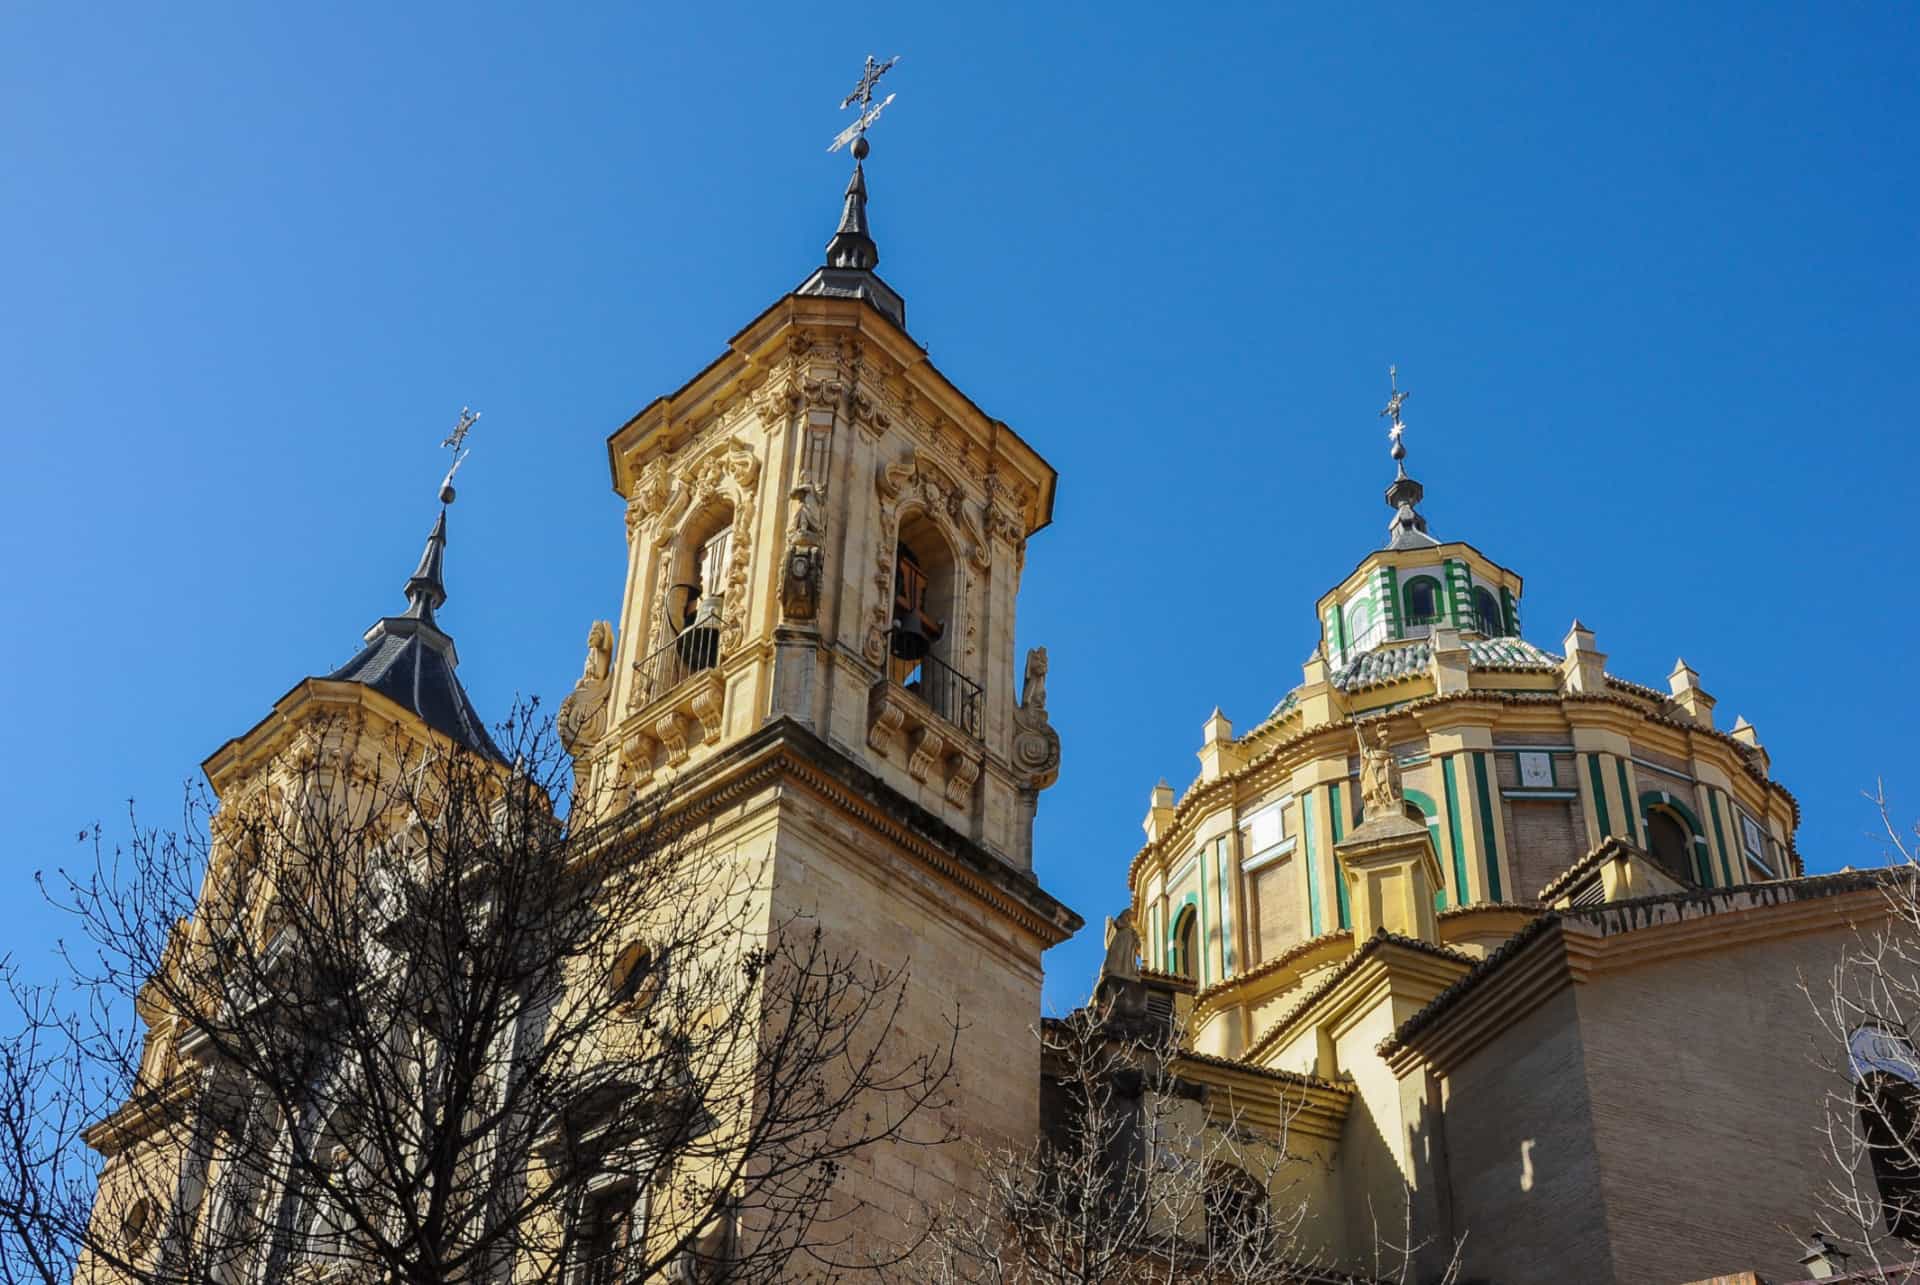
[(1392, 411), (456, 442), (862, 96)]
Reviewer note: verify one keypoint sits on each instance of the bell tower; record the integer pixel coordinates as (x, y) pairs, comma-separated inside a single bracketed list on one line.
[(815, 653)]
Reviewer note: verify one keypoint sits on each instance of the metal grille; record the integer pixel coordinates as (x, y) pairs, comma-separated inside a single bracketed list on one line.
[(942, 688)]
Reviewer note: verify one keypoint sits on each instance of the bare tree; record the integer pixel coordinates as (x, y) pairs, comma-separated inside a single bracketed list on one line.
[(1138, 1179), (405, 1018), (1868, 1005)]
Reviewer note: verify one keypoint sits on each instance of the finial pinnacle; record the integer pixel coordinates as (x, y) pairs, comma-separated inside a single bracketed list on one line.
[(455, 442), (862, 97), (1408, 528)]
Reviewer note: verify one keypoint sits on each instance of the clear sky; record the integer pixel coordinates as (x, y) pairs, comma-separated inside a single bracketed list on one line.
[(1648, 269)]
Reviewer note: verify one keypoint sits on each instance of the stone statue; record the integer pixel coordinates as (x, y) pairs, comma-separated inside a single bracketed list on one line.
[(1123, 949), (1036, 746), (801, 573), (1033, 695), (707, 1259), (583, 714), (806, 521), (1379, 776)]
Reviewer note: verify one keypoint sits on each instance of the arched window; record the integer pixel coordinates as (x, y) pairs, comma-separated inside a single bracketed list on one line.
[(1186, 941), (696, 599), (1670, 843), (920, 645), (1239, 1216), (1422, 596), (1487, 616), (1886, 1077)]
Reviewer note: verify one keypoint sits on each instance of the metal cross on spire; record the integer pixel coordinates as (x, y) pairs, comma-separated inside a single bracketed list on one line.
[(456, 442), (1391, 411), (862, 97)]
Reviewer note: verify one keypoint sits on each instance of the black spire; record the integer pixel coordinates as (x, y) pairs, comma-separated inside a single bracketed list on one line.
[(852, 255), (410, 659), (425, 591), (852, 245)]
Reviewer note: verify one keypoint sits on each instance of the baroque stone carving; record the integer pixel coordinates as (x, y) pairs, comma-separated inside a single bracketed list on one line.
[(926, 752), (801, 572), (965, 771), (709, 701), (1122, 961), (1036, 746), (886, 726), (1380, 792), (672, 735), (583, 714)]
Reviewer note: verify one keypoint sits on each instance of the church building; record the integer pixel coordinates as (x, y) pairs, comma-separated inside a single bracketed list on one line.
[(1511, 940)]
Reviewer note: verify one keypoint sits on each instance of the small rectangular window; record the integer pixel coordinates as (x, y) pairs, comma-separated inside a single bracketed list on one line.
[(606, 1222)]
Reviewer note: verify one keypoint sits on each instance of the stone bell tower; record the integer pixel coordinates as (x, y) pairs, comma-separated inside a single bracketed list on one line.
[(816, 653)]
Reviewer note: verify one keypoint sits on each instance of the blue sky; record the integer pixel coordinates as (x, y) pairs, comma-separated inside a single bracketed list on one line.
[(1648, 269)]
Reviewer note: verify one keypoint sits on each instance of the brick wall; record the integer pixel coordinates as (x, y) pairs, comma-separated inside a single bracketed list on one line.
[(1547, 837)]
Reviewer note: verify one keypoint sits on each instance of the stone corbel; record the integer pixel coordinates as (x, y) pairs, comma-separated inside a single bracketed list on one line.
[(886, 725), (963, 771), (671, 733), (926, 753), (634, 766), (708, 703)]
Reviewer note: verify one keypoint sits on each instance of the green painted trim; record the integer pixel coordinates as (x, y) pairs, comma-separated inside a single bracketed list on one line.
[(1313, 864), (1389, 587), (1626, 792), (1342, 910), (1702, 856), (1459, 593), (1487, 827), (1223, 871), (1720, 839), (1188, 905), (1599, 795), (1458, 849), (1439, 600), (1424, 801), (1200, 972), (1510, 610)]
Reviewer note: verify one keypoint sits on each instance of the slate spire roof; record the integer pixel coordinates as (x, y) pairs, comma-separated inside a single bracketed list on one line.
[(852, 254), (410, 659)]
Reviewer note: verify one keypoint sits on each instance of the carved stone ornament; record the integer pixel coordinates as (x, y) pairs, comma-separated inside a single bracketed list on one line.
[(926, 753), (1036, 746), (672, 735), (1380, 792), (800, 576), (583, 714), (960, 779), (801, 570), (729, 471), (708, 1258), (1123, 949)]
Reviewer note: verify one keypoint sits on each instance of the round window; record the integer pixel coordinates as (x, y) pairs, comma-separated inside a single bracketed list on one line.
[(137, 1224), (635, 977)]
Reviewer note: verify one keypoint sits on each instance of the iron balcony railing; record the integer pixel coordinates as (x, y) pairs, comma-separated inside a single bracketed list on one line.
[(940, 687), (694, 650)]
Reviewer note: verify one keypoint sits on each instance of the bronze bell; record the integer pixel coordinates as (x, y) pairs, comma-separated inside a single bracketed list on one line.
[(679, 606), (910, 641)]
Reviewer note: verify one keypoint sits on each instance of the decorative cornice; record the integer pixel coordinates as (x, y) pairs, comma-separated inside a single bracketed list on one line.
[(1326, 986), (1201, 797), (1571, 946), (782, 751)]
